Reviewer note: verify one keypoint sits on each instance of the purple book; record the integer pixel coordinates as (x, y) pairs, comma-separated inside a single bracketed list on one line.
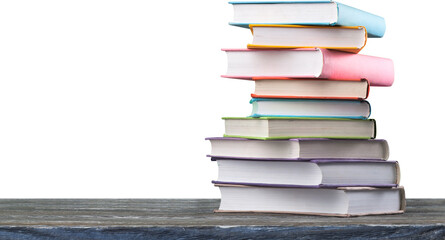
[(298, 149), (302, 186), (320, 173), (341, 201)]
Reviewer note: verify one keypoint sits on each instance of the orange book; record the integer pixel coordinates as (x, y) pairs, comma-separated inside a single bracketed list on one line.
[(311, 89), (347, 39)]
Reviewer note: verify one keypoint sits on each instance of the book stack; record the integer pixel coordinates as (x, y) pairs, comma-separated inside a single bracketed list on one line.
[(308, 146)]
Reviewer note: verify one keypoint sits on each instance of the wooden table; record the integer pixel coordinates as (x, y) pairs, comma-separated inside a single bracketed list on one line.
[(194, 219)]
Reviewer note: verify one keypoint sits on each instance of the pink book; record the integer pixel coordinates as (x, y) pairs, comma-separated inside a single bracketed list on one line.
[(320, 63)]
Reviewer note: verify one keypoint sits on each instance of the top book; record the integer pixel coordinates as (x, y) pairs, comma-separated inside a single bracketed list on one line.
[(324, 13)]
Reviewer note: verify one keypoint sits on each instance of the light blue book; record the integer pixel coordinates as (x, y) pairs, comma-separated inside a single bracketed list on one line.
[(327, 13), (310, 108)]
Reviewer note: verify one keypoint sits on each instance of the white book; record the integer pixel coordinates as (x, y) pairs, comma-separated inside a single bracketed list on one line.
[(348, 201)]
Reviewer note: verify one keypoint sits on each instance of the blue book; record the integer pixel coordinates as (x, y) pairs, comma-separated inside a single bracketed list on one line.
[(311, 108), (323, 13)]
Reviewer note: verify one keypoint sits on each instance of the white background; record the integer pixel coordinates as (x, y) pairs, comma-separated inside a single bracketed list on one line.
[(114, 98)]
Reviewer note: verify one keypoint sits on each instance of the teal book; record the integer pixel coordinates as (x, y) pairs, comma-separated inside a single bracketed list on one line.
[(267, 128), (322, 13), (313, 108)]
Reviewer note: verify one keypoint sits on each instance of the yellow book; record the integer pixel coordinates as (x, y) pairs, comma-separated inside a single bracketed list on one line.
[(348, 39)]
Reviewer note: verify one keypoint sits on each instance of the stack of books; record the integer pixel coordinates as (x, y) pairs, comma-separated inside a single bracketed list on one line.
[(308, 146)]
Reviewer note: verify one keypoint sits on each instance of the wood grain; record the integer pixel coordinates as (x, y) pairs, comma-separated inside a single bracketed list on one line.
[(194, 218)]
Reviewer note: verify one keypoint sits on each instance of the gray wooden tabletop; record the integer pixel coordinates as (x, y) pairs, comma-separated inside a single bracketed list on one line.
[(159, 218)]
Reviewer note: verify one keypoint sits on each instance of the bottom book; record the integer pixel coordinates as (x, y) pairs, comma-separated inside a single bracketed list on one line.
[(344, 202)]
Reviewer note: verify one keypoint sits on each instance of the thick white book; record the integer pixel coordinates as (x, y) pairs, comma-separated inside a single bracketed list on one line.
[(346, 201)]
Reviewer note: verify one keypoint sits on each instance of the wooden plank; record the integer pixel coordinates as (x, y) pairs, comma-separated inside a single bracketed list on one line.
[(187, 213), (194, 219), (244, 232)]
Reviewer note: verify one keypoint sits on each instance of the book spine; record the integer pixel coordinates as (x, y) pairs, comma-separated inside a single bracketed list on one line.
[(369, 108), (374, 124), (367, 89), (349, 16), (385, 147), (397, 180), (348, 66), (402, 199)]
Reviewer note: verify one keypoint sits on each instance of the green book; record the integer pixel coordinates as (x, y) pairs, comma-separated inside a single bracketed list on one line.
[(266, 128)]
